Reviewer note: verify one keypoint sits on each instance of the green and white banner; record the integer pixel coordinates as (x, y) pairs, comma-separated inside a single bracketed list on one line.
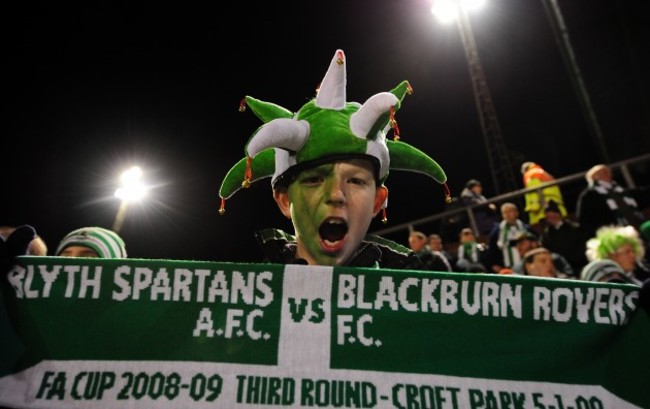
[(134, 333)]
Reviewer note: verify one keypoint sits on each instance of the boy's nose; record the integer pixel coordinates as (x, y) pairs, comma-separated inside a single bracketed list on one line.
[(335, 191)]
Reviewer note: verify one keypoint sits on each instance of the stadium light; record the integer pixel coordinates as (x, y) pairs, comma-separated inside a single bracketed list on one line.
[(447, 10), (131, 189)]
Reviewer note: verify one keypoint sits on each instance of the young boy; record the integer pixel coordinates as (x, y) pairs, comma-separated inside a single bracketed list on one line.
[(328, 164), (539, 263), (95, 242)]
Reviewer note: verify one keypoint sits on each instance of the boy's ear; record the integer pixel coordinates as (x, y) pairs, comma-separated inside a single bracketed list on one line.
[(380, 198), (282, 199)]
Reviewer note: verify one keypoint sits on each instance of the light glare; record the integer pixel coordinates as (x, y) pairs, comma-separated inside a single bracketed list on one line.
[(445, 10), (472, 4), (131, 188)]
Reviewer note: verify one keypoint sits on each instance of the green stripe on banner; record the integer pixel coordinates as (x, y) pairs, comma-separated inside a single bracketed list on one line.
[(146, 309), (102, 333)]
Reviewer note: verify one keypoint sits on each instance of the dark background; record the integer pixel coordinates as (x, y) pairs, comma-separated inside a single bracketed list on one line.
[(93, 88)]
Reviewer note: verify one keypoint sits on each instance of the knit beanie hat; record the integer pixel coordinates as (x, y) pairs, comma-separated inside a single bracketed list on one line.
[(105, 242), (604, 271), (326, 129), (471, 183), (552, 206)]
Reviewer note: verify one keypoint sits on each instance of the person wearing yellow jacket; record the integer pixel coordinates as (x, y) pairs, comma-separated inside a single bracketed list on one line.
[(535, 175)]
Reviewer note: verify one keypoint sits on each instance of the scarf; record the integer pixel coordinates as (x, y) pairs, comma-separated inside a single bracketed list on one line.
[(507, 234), (468, 251), (624, 207)]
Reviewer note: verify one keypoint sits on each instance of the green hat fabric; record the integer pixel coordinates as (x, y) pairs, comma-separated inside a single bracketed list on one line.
[(325, 129), (106, 243)]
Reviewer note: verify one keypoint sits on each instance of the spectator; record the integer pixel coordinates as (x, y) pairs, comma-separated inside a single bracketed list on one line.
[(528, 241), (538, 262), (534, 175), (615, 255), (485, 214), (502, 244), (469, 253), (442, 259), (605, 203), (95, 242), (418, 244), (328, 163), (563, 236)]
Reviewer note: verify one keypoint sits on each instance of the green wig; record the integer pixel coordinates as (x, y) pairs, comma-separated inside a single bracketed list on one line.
[(611, 238)]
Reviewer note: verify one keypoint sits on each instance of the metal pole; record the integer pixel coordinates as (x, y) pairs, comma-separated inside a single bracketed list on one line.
[(119, 217), (562, 38)]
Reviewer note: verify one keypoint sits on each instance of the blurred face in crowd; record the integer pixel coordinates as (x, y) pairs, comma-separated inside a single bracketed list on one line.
[(625, 257), (435, 243), (331, 207), (541, 265), (78, 251), (509, 213), (417, 241), (525, 245), (602, 173), (553, 218), (467, 236)]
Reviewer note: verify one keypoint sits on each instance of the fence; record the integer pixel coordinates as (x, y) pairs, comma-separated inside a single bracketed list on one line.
[(574, 181)]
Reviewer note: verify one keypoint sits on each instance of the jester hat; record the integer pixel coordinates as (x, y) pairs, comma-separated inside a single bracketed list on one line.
[(326, 129)]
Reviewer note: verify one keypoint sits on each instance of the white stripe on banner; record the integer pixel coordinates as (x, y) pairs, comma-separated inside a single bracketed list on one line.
[(390, 390), (306, 294)]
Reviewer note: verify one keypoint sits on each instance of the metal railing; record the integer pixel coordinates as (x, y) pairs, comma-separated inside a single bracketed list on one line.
[(622, 166)]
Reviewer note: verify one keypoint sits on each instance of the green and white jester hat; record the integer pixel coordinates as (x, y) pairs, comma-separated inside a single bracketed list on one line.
[(326, 129)]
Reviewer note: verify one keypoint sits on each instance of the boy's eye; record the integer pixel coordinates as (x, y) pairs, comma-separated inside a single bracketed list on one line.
[(311, 180), (358, 181)]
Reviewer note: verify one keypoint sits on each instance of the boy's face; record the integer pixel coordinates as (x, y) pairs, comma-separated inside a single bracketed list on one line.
[(541, 266), (78, 251), (331, 207)]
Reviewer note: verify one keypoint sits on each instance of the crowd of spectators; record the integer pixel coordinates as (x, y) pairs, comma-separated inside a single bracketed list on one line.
[(605, 240)]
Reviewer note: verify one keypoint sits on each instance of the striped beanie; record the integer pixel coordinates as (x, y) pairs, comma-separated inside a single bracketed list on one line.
[(604, 271), (105, 242)]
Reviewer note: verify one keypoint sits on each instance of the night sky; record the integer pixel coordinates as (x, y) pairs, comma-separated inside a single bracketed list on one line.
[(93, 88)]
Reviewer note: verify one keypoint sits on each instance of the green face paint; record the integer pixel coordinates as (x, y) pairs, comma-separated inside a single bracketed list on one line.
[(332, 206)]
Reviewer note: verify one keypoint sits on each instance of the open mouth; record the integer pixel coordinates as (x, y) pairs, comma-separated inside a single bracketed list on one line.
[(332, 233)]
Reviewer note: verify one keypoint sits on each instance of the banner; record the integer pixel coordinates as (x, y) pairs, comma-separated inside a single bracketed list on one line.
[(135, 333)]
